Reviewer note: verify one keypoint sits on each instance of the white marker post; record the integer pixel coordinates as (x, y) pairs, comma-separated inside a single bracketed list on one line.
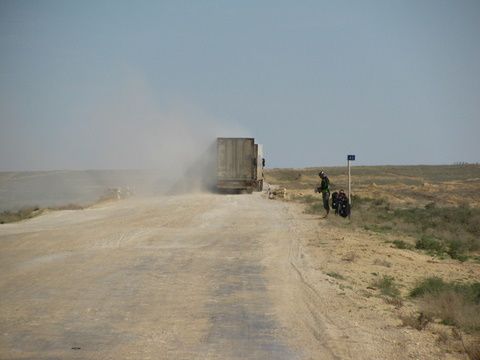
[(350, 158)]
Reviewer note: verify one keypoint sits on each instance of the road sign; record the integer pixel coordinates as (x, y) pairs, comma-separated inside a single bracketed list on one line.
[(351, 157)]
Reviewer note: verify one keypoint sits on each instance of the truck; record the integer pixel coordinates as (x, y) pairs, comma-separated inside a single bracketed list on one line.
[(240, 165)]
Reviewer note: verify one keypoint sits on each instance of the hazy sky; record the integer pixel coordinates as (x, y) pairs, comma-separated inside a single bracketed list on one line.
[(106, 84)]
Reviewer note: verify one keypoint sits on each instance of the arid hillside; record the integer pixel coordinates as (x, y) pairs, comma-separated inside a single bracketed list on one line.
[(411, 249), (401, 185)]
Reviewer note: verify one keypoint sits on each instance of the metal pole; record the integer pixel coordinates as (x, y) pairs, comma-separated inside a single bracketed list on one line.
[(349, 185)]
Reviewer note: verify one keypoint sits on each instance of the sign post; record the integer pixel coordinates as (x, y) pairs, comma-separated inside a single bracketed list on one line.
[(350, 158)]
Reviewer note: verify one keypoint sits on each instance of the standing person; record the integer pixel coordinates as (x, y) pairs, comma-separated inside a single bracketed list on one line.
[(324, 188)]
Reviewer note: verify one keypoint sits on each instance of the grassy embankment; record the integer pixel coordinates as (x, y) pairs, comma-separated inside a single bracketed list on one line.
[(432, 209), (450, 232), (439, 206), (31, 212)]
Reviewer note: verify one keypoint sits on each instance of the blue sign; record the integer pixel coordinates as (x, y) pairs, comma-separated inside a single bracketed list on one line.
[(351, 157)]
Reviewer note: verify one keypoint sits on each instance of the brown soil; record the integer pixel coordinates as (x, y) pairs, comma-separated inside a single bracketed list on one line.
[(352, 259)]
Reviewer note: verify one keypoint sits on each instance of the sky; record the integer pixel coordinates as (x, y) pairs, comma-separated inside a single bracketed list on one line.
[(130, 84)]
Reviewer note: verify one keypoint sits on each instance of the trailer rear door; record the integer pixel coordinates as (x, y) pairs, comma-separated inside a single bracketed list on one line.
[(235, 158)]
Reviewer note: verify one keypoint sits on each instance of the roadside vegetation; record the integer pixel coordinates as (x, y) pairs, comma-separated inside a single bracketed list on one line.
[(445, 232), (417, 175), (31, 212), (401, 244), (335, 275), (453, 303), (440, 231), (429, 210), (23, 214), (387, 286)]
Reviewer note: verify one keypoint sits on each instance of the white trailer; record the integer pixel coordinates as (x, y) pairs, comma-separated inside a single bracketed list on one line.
[(239, 165)]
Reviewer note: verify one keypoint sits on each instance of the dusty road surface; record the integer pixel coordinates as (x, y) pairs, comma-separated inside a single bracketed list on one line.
[(182, 277)]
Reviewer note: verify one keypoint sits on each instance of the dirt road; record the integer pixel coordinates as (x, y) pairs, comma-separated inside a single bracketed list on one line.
[(182, 277)]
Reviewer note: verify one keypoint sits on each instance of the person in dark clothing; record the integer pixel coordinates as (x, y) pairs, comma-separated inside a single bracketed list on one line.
[(324, 188)]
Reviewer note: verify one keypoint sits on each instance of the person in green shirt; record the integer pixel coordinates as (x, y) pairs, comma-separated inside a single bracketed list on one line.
[(324, 188)]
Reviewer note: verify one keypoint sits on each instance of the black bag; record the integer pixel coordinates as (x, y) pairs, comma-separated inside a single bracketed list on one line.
[(335, 200), (343, 206)]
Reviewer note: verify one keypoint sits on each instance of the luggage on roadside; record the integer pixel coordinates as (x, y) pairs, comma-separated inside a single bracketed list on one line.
[(340, 203), (335, 201), (343, 205)]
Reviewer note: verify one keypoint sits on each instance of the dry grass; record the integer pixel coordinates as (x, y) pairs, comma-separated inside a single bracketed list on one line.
[(400, 184), (380, 262), (31, 212), (443, 231), (452, 231), (67, 207), (400, 244), (473, 350), (395, 301), (387, 286), (416, 321), (446, 231), (349, 257), (443, 336), (455, 304), (430, 210), (453, 309), (335, 275), (427, 203), (22, 214)]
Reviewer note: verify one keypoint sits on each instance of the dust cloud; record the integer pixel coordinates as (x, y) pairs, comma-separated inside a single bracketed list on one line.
[(131, 142), (131, 131)]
